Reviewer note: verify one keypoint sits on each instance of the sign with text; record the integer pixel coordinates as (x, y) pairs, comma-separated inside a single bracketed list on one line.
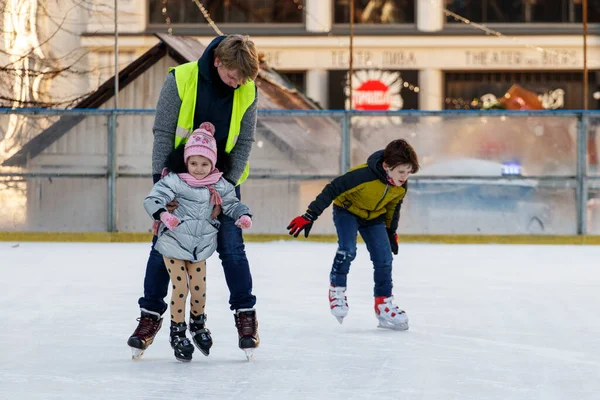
[(374, 89), (373, 59), (545, 58), (445, 58)]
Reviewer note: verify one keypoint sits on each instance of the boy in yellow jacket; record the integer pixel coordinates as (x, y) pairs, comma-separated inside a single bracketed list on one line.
[(366, 200)]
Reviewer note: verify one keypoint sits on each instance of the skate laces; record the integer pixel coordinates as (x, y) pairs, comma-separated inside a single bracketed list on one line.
[(145, 327), (337, 296), (246, 322)]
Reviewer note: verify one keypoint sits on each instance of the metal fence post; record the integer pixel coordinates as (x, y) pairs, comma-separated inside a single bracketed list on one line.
[(346, 149), (581, 194), (111, 173)]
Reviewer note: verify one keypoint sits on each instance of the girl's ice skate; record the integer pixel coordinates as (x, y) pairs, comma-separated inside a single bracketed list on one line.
[(200, 333), (338, 302), (180, 343), (389, 315)]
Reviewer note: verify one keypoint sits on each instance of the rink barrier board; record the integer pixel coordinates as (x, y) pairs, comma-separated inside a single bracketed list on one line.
[(127, 237)]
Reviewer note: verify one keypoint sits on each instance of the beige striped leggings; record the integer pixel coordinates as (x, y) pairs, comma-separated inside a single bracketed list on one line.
[(186, 276)]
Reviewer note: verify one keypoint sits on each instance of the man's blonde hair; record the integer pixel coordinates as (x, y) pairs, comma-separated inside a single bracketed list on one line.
[(238, 52)]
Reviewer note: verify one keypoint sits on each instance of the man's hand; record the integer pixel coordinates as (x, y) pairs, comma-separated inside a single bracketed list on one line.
[(172, 205), (215, 212)]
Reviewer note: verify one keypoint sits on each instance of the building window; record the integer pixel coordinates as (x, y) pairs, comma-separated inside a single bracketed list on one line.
[(555, 89), (227, 11), (376, 11), (524, 11), (296, 80)]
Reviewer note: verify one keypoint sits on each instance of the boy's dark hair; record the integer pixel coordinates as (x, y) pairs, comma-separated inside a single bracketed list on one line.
[(175, 162), (400, 152)]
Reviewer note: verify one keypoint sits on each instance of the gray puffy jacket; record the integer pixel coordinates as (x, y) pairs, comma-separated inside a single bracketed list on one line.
[(195, 238)]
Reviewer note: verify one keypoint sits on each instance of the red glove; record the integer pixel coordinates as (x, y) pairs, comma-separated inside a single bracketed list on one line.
[(303, 222)]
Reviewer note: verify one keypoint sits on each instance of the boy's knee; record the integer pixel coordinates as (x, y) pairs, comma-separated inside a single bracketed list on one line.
[(344, 256)]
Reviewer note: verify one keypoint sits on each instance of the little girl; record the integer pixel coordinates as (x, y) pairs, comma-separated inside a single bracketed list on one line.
[(188, 235)]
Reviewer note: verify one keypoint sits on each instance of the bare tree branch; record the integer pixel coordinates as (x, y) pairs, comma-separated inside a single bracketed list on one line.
[(34, 66)]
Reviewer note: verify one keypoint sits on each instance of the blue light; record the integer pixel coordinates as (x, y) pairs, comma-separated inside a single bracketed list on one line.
[(511, 168)]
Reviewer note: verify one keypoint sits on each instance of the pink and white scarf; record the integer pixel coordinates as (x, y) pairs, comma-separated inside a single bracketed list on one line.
[(213, 177)]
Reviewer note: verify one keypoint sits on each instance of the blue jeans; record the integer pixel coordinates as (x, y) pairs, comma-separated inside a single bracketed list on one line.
[(375, 236), (230, 246)]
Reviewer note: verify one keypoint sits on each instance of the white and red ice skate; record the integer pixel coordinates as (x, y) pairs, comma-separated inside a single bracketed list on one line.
[(389, 315), (338, 302)]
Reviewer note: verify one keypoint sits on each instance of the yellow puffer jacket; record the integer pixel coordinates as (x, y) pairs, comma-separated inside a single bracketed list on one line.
[(365, 192)]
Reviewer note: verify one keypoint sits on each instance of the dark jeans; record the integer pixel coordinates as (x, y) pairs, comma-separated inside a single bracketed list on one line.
[(230, 246), (375, 236)]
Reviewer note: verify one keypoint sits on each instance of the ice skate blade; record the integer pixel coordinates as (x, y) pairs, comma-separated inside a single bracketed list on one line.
[(339, 319), (136, 354), (205, 352), (249, 354), (399, 327)]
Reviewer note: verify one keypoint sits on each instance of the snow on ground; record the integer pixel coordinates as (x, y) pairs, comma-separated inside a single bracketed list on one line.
[(486, 322)]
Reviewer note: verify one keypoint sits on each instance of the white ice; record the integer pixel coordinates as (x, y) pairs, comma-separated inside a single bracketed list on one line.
[(486, 322)]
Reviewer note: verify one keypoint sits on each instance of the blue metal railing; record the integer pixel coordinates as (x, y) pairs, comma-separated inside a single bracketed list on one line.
[(581, 177)]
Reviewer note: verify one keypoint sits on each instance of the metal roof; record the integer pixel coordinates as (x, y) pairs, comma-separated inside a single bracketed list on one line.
[(273, 94)]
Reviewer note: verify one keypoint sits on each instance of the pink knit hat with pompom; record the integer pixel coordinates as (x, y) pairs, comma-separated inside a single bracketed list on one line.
[(202, 143)]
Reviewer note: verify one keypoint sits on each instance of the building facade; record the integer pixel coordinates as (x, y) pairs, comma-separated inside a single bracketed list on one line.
[(408, 54)]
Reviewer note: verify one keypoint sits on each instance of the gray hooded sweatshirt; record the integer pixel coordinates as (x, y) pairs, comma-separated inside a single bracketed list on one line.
[(195, 238)]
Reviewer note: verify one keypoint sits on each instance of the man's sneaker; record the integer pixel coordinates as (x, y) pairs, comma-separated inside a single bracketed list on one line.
[(389, 315), (247, 327), (143, 336), (338, 302), (181, 345), (200, 333)]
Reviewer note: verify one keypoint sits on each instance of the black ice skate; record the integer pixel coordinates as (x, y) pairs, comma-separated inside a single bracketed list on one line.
[(181, 345), (143, 336), (247, 326), (200, 334)]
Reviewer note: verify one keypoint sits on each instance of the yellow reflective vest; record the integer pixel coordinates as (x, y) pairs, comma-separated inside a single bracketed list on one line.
[(186, 77)]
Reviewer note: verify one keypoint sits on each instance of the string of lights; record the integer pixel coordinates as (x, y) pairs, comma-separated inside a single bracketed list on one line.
[(165, 14), (206, 15), (457, 103), (219, 32), (307, 14), (491, 32)]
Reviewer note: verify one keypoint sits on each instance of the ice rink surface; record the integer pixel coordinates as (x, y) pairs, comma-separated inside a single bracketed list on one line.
[(486, 322)]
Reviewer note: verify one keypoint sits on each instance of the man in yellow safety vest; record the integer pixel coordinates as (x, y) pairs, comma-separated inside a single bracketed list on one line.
[(218, 88)]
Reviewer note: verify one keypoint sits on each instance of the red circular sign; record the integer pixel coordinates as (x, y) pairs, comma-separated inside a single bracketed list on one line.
[(372, 95)]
